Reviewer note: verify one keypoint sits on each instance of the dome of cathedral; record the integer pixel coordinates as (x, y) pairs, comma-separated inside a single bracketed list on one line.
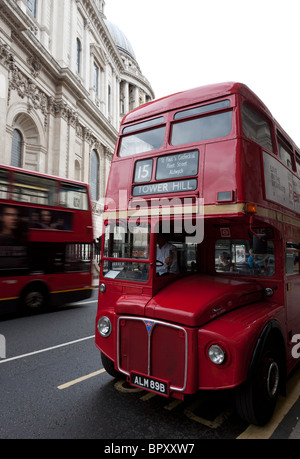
[(120, 39)]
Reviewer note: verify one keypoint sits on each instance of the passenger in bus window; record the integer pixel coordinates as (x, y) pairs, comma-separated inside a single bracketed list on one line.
[(46, 219), (225, 263), (166, 257), (10, 226), (251, 259)]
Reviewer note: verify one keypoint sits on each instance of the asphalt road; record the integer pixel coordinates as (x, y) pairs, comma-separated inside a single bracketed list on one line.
[(53, 386)]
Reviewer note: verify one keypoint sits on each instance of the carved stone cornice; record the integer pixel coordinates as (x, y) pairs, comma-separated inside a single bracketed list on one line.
[(11, 14), (6, 57), (26, 87), (35, 65)]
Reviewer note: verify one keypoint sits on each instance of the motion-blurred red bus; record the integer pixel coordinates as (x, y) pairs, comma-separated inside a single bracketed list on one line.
[(199, 279), (46, 237)]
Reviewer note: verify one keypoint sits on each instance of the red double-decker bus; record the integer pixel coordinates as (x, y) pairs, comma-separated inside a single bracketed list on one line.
[(199, 278), (46, 237)]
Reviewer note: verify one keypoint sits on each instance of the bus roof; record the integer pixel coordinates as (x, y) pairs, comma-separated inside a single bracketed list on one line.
[(193, 96), (40, 174)]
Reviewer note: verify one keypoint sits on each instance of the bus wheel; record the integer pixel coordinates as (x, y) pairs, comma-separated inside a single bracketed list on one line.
[(34, 298), (256, 399), (109, 367)]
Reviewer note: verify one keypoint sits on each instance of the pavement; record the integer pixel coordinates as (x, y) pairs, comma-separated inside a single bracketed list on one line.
[(295, 435)]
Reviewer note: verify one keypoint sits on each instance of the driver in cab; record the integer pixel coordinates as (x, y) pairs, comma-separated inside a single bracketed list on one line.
[(166, 257)]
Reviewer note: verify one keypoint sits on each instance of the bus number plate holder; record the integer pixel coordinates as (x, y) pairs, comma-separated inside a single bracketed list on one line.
[(148, 383)]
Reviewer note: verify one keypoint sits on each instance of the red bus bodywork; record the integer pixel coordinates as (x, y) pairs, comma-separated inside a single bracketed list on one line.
[(166, 334), (44, 262)]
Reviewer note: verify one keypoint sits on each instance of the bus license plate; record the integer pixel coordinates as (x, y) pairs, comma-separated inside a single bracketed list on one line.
[(151, 384)]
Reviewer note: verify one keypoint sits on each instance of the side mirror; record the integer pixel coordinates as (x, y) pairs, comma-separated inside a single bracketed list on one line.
[(260, 243)]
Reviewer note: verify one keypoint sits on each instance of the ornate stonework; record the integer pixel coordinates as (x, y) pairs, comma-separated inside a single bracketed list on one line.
[(68, 83)]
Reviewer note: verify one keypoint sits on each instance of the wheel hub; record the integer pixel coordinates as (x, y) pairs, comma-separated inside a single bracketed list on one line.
[(272, 379)]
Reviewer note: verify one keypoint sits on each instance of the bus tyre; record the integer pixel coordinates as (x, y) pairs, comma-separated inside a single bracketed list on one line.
[(109, 367), (256, 399), (34, 298)]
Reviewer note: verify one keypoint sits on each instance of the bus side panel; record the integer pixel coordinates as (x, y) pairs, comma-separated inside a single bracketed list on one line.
[(252, 172), (219, 176), (119, 184), (237, 333)]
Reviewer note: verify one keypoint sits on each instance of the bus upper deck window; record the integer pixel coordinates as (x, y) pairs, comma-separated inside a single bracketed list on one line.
[(141, 140), (34, 190), (298, 164), (203, 128), (285, 156), (3, 184), (202, 109), (256, 128), (74, 196), (284, 150)]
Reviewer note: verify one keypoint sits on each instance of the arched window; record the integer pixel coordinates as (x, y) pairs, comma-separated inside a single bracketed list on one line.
[(109, 99), (94, 180), (77, 170), (16, 149), (78, 55), (96, 79)]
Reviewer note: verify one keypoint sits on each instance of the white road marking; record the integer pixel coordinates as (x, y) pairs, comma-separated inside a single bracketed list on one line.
[(46, 350)]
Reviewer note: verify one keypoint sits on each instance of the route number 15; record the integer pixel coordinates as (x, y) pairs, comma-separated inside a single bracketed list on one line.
[(143, 171)]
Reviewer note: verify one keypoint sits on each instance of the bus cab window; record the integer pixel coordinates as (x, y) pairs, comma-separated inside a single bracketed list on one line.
[(126, 252), (175, 255)]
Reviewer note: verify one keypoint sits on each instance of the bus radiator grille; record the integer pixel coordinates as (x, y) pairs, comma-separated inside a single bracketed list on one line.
[(153, 348)]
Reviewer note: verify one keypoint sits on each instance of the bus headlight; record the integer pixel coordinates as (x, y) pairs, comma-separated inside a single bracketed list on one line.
[(102, 288), (104, 326), (216, 354)]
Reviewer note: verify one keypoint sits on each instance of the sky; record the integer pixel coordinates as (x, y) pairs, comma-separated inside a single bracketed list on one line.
[(183, 44)]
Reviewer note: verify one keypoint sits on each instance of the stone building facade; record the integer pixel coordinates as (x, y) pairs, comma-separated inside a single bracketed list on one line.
[(67, 77)]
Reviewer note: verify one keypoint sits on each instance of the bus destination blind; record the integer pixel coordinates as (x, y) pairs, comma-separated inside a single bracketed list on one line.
[(175, 167)]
